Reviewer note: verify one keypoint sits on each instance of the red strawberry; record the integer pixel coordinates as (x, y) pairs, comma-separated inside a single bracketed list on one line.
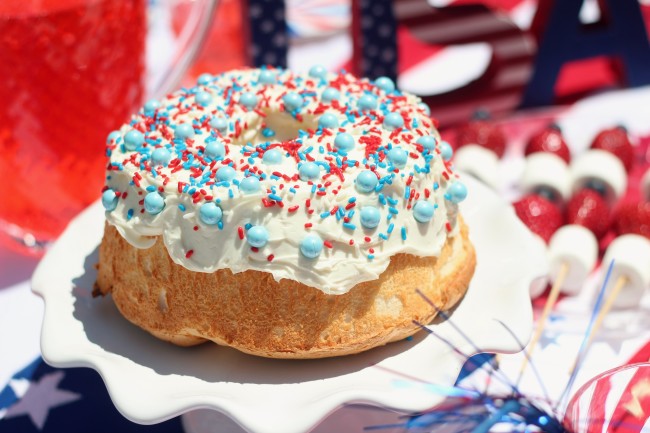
[(616, 141), (484, 133), (549, 140), (589, 209), (633, 217), (540, 215)]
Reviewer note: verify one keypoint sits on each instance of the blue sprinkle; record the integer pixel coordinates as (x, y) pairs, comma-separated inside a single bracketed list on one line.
[(151, 188), (407, 192), (154, 203), (423, 211), (349, 226), (129, 214), (370, 217), (109, 200), (311, 246), (390, 228), (181, 206), (248, 225), (403, 233), (392, 201), (318, 71), (183, 131), (371, 256), (382, 199), (204, 79), (367, 102), (324, 215), (257, 236), (268, 132), (352, 199), (446, 151), (330, 94), (328, 120), (210, 213), (393, 210), (275, 197), (385, 83), (133, 139), (220, 225), (383, 236), (230, 193), (393, 121), (203, 98)]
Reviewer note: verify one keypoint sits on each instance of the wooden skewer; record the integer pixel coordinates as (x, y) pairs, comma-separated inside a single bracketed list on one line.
[(548, 307), (609, 302)]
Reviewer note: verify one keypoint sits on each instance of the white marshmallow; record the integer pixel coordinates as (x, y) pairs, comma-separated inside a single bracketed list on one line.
[(645, 184), (631, 255), (479, 162), (603, 166), (547, 170), (577, 247)]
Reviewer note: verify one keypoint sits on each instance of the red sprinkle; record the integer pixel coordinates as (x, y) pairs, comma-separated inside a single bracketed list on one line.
[(189, 254), (351, 241), (367, 239), (270, 257), (240, 231), (448, 226), (328, 244), (293, 208), (308, 225)]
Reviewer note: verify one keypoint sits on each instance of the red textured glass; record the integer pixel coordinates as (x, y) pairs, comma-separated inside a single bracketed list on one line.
[(71, 71)]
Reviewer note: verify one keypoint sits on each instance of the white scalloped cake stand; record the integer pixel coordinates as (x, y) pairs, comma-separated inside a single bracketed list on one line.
[(151, 381)]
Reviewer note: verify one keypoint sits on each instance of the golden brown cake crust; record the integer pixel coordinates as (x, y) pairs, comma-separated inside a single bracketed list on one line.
[(252, 312)]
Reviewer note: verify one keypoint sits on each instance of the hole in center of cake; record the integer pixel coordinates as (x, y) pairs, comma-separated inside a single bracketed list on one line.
[(276, 127), (286, 127)]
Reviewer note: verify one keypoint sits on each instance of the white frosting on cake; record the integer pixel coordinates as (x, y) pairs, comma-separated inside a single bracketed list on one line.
[(286, 206)]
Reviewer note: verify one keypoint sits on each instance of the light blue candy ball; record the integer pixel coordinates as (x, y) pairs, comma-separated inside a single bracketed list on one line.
[(257, 236), (457, 192), (446, 151), (318, 71), (393, 121), (215, 150), (226, 173), (311, 246), (150, 107), (344, 141), (385, 84), (183, 131), (424, 107), (219, 123), (154, 203), (161, 156), (330, 94), (113, 136), (266, 77), (428, 142), (210, 213), (204, 79), (370, 217), (328, 120), (398, 157), (367, 102), (309, 171), (423, 211), (249, 185), (272, 157), (248, 99), (203, 98), (109, 200), (366, 181), (292, 101), (133, 139)]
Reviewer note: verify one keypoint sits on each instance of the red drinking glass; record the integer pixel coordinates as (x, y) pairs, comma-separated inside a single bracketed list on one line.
[(71, 71)]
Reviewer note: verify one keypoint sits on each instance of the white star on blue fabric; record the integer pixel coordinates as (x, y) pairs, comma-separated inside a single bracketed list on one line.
[(40, 398)]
